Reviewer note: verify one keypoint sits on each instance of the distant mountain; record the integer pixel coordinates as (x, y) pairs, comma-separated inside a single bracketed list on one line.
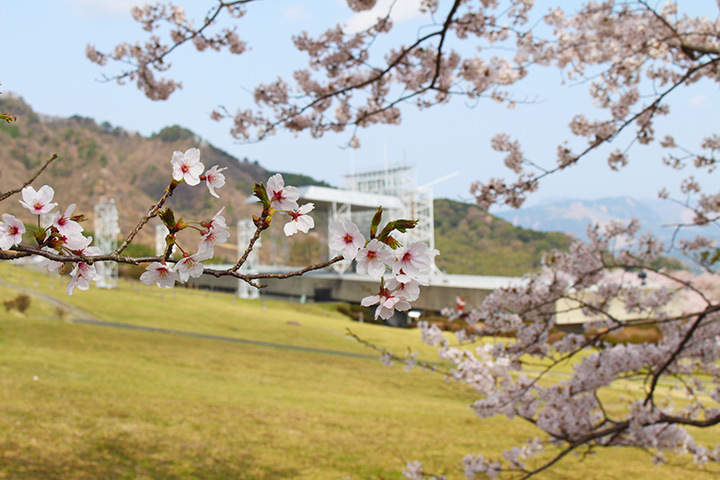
[(572, 216), (101, 160)]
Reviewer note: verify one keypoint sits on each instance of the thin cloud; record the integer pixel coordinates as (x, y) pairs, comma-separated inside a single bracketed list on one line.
[(296, 14), (103, 8), (402, 11), (699, 101)]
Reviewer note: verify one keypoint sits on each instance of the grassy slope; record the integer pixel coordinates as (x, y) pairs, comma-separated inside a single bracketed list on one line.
[(112, 403)]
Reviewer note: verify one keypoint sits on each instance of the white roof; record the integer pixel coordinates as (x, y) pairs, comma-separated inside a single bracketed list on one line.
[(325, 195)]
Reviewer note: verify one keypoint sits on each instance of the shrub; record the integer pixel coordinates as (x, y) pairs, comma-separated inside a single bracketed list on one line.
[(20, 303)]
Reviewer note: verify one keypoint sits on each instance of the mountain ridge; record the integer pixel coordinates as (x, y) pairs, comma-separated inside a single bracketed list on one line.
[(99, 160)]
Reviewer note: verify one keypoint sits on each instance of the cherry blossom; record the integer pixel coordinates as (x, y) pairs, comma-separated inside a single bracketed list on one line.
[(405, 286), (160, 273), (78, 243), (373, 259), (215, 179), (187, 166), (189, 266), (50, 265), (345, 237), (300, 220), (214, 236), (282, 197), (81, 276), (38, 202), (218, 221), (64, 224), (387, 303), (414, 258), (82, 273), (11, 231)]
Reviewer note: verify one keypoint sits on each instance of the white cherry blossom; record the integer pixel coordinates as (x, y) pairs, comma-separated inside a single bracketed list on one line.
[(215, 179), (345, 237), (187, 166), (413, 259), (38, 202), (282, 197), (373, 259), (11, 231), (189, 266), (404, 286), (300, 220), (64, 224), (214, 236), (387, 303), (160, 273)]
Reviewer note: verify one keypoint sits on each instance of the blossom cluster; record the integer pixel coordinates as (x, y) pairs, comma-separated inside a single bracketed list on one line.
[(397, 267), (382, 257), (187, 168), (63, 235)]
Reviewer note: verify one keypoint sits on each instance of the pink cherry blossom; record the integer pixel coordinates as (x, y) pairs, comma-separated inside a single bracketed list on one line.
[(160, 273), (346, 238), (373, 259), (413, 259), (300, 220), (215, 179), (64, 224), (38, 202), (187, 166), (11, 231), (281, 197)]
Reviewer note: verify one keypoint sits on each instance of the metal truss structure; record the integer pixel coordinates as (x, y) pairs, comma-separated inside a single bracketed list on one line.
[(107, 230), (246, 230)]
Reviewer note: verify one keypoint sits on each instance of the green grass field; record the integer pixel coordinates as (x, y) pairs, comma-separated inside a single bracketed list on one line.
[(91, 402)]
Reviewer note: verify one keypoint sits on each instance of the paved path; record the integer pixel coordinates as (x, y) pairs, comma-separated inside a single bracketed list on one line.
[(77, 315)]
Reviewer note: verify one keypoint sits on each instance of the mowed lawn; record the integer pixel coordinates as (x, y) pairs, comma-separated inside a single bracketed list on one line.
[(82, 401)]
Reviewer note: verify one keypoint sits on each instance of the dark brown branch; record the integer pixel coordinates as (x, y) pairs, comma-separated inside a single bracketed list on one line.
[(671, 358)]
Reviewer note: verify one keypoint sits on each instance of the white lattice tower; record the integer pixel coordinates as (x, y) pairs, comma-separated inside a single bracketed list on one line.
[(339, 213), (419, 206), (394, 181), (246, 230), (161, 232), (107, 230)]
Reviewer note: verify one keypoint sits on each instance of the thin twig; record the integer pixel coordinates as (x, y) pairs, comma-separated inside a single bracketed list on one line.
[(32, 179)]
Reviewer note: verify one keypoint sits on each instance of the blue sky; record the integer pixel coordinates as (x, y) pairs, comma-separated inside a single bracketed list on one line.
[(42, 59)]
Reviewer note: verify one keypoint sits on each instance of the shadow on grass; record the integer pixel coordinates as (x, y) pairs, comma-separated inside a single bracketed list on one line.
[(122, 457)]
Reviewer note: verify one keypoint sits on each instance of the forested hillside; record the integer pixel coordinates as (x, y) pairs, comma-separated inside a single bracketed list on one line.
[(98, 160), (473, 241)]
